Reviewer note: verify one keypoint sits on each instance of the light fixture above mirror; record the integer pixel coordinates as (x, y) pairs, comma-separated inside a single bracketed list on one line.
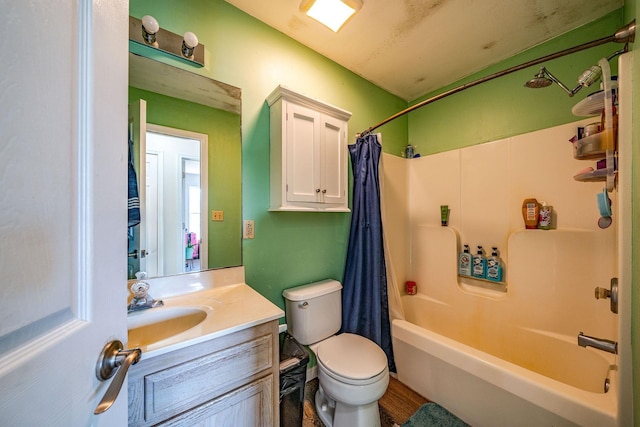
[(331, 13), (147, 34)]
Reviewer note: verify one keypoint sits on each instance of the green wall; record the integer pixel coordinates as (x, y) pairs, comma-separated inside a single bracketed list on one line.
[(290, 248), (224, 165)]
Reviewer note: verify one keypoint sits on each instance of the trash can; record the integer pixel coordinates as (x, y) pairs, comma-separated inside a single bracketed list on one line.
[(293, 376)]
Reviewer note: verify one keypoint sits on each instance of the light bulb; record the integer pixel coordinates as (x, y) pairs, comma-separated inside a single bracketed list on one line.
[(150, 27), (189, 43), (190, 39)]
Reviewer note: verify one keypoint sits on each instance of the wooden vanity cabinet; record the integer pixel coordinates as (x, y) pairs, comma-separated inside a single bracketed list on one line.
[(226, 381)]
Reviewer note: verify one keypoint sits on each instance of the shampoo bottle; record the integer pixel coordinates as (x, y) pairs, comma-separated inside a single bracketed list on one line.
[(479, 264), (530, 212), (464, 262), (494, 266)]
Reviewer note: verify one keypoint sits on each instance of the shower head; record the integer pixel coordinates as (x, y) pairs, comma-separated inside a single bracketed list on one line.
[(539, 80), (544, 78)]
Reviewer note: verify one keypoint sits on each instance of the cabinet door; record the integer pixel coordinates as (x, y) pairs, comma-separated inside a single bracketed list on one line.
[(248, 406), (334, 160), (303, 154)]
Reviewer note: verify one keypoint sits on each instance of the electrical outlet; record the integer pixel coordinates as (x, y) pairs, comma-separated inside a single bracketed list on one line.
[(217, 215), (248, 229)]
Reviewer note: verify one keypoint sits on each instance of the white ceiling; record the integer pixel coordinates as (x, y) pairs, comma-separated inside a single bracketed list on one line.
[(411, 47)]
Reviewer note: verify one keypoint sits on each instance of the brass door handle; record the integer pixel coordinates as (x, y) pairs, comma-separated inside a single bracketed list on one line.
[(114, 360)]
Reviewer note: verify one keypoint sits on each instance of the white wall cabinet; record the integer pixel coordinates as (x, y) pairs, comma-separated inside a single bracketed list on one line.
[(231, 380), (309, 162)]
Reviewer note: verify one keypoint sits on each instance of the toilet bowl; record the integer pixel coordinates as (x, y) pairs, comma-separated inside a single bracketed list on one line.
[(353, 375), (352, 370)]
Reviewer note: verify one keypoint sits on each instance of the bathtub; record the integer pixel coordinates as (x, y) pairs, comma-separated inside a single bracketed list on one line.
[(514, 376)]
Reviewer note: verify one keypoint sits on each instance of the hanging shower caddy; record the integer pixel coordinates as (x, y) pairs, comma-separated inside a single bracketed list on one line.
[(600, 145)]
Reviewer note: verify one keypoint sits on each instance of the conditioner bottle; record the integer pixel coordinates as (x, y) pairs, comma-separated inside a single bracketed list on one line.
[(494, 266), (464, 262), (479, 264)]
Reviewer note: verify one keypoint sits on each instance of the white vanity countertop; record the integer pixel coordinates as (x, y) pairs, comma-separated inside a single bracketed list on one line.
[(230, 308)]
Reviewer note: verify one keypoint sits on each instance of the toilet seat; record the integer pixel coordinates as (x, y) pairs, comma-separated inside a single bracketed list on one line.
[(352, 359)]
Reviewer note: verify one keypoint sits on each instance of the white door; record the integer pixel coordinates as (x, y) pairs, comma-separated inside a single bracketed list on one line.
[(334, 160), (152, 230), (303, 154), (138, 134), (63, 163)]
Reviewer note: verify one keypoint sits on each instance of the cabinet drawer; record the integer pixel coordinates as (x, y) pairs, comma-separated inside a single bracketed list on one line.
[(247, 406), (201, 379)]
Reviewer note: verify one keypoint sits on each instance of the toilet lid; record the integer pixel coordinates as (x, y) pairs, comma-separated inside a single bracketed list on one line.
[(352, 356)]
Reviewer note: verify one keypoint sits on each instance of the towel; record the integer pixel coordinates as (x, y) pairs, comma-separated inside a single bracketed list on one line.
[(432, 414), (133, 202)]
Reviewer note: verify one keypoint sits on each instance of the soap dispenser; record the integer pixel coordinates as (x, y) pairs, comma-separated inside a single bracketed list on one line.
[(464, 262), (479, 264), (494, 266)]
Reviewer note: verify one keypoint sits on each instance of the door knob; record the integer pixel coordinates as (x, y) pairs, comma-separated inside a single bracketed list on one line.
[(114, 360)]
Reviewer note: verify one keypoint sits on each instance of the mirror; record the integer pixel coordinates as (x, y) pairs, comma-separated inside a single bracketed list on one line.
[(189, 182)]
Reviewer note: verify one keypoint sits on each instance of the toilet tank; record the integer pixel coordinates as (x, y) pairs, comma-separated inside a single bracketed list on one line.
[(314, 311)]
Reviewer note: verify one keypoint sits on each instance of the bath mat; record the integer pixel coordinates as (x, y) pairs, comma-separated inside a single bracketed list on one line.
[(433, 415)]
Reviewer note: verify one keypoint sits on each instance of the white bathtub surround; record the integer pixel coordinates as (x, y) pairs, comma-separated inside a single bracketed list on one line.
[(393, 204), (511, 357)]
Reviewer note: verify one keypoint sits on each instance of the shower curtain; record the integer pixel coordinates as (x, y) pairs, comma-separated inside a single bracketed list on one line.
[(365, 302)]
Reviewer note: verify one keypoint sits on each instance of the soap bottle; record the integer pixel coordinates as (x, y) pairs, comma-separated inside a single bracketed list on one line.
[(479, 264), (464, 262), (530, 212), (494, 266)]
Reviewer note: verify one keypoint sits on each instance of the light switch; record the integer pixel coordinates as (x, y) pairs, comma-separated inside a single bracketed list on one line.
[(248, 230), (217, 215)]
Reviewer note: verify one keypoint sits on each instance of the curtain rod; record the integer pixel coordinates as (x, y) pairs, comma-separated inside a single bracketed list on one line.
[(625, 34)]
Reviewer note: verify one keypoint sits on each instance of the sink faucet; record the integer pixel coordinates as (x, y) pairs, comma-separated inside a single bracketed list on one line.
[(141, 299), (599, 343)]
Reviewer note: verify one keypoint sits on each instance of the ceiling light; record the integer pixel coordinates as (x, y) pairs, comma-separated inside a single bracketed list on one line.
[(331, 13)]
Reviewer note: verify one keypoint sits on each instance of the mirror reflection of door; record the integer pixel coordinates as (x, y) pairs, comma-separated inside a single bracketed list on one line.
[(136, 260), (191, 213), (152, 206), (173, 201)]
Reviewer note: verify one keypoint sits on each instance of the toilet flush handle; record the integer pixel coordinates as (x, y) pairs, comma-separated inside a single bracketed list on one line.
[(303, 304)]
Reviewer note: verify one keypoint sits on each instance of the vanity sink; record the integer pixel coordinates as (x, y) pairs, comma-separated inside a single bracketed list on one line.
[(156, 324)]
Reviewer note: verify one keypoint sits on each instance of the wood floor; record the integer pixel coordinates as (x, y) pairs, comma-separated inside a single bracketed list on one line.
[(396, 406), (400, 402)]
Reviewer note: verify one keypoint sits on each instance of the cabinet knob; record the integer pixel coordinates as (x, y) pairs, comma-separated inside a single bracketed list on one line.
[(324, 191), (317, 190)]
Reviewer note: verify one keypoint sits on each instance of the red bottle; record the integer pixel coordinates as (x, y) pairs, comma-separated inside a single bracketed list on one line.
[(411, 287)]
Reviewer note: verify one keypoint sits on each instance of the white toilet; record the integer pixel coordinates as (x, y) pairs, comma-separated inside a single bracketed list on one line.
[(352, 370)]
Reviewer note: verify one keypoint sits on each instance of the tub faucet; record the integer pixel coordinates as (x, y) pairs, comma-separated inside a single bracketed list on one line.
[(141, 299), (599, 343)]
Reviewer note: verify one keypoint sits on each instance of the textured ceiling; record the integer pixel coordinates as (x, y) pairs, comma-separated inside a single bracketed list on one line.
[(411, 47)]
